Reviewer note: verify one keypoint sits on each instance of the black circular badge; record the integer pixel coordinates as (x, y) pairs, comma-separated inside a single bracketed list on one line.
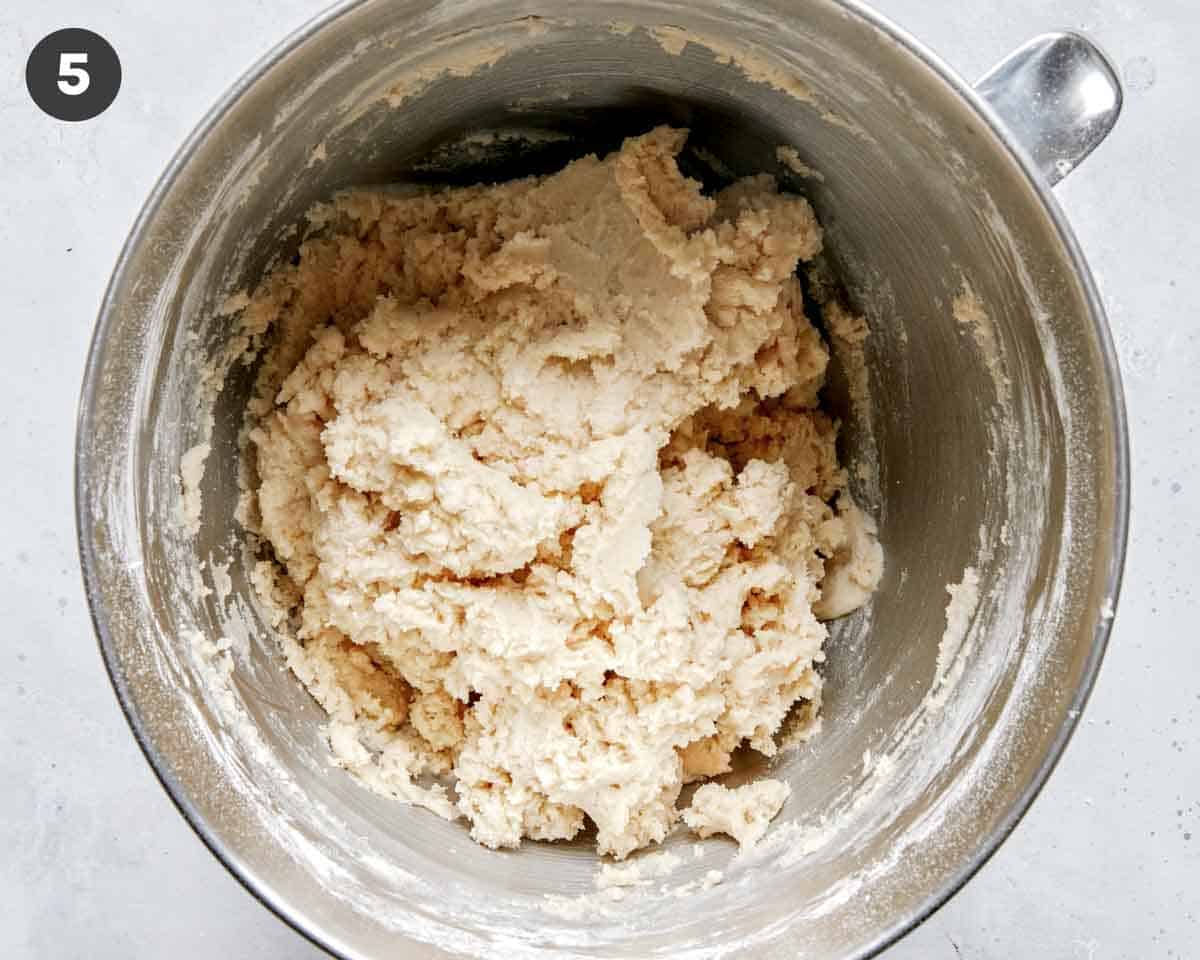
[(73, 74)]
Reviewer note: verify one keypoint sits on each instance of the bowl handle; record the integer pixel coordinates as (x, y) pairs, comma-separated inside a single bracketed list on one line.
[(1059, 96)]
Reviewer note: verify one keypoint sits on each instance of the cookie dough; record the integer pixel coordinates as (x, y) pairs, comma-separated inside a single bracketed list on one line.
[(543, 485)]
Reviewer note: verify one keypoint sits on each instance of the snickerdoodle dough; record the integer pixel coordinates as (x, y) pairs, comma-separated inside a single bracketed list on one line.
[(545, 488)]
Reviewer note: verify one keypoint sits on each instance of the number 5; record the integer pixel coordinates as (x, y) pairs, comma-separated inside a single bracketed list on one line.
[(73, 79)]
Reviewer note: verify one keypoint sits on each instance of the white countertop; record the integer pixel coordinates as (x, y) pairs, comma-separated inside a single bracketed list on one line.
[(96, 862)]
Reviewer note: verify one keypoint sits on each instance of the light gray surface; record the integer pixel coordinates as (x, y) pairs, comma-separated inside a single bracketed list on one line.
[(97, 862)]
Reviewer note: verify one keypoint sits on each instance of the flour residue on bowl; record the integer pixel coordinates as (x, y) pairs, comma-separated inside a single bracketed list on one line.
[(418, 80), (191, 475), (970, 314), (639, 872), (848, 333), (638, 881), (757, 66), (953, 648)]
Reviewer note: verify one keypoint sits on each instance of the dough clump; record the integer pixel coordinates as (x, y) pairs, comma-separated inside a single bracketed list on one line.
[(743, 813), (543, 486)]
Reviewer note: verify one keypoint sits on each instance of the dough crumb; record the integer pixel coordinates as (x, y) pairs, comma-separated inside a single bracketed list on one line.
[(856, 567), (790, 158), (547, 500), (742, 812)]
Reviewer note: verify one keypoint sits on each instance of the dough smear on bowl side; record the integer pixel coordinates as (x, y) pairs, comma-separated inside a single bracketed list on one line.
[(543, 485)]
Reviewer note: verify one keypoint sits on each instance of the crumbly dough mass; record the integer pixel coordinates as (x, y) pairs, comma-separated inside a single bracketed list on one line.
[(545, 489)]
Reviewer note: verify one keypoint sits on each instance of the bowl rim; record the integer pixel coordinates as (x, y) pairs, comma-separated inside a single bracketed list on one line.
[(92, 384)]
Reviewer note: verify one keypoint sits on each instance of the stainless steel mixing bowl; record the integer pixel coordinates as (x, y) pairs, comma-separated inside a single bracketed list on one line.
[(996, 441)]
